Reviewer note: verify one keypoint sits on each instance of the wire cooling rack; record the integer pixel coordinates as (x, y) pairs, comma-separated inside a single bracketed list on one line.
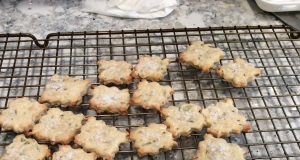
[(270, 103)]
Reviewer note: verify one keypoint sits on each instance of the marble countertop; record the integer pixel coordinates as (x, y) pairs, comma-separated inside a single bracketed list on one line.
[(45, 16)]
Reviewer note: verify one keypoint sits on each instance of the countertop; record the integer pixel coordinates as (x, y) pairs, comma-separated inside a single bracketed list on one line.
[(46, 16)]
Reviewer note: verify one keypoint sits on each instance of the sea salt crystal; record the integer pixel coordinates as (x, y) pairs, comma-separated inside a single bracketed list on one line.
[(235, 67), (110, 96), (107, 99), (150, 65)]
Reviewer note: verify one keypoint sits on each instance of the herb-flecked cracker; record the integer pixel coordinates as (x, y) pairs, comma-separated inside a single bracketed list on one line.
[(110, 99), (223, 118), (23, 148), (97, 137), (65, 91), (58, 126), (149, 140), (21, 115), (151, 95), (151, 68), (66, 152), (183, 119), (117, 72), (218, 149), (238, 72), (201, 56)]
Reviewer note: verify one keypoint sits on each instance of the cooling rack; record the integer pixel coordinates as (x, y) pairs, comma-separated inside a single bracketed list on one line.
[(270, 103)]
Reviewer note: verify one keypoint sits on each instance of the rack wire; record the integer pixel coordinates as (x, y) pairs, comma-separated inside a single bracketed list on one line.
[(270, 103)]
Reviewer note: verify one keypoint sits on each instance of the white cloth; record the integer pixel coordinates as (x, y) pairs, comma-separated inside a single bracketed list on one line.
[(130, 8)]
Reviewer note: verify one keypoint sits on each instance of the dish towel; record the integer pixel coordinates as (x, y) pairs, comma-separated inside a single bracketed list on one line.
[(130, 8)]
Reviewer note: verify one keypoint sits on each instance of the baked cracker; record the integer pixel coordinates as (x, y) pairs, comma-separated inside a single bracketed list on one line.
[(201, 56), (151, 95), (65, 91), (152, 68), (183, 119), (216, 148), (23, 148), (223, 118), (110, 99), (149, 140), (66, 152), (238, 72), (21, 115), (58, 126), (117, 72), (97, 137)]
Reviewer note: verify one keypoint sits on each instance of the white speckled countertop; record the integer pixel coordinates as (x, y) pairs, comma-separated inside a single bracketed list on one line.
[(46, 16)]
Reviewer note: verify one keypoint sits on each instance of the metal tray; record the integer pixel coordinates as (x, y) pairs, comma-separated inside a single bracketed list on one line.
[(270, 103)]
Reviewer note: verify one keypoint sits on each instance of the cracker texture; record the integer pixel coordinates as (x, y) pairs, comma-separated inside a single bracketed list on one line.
[(182, 120), (238, 72), (97, 137), (151, 95), (66, 152), (149, 140), (152, 68), (218, 149), (110, 99), (58, 126), (116, 72), (23, 148), (65, 91), (21, 115), (201, 56), (223, 118)]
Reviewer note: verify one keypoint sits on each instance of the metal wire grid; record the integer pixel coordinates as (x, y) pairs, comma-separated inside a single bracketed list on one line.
[(270, 103)]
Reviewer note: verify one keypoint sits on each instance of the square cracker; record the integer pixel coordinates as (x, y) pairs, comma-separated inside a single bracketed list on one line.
[(150, 139), (216, 148), (66, 152), (201, 56), (238, 72), (151, 95), (25, 148), (58, 126), (97, 137), (183, 119), (65, 91), (21, 115), (109, 99), (117, 72), (152, 68), (223, 118)]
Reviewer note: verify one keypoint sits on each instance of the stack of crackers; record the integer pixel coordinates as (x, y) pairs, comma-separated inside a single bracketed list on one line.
[(93, 138)]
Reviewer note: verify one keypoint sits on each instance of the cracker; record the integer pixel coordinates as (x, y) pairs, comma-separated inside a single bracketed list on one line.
[(65, 91), (21, 115), (201, 56), (151, 68), (238, 72), (216, 148), (66, 152), (58, 126), (223, 118), (23, 148), (97, 137), (149, 140), (183, 119), (117, 72), (151, 95), (110, 99)]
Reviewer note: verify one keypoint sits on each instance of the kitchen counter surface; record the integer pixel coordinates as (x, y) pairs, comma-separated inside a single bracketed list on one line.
[(46, 16)]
